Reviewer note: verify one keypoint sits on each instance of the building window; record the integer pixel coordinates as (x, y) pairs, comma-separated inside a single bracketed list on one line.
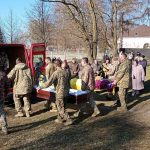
[(136, 33)]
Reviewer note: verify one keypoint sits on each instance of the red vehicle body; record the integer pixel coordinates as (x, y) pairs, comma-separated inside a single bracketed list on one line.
[(15, 51)]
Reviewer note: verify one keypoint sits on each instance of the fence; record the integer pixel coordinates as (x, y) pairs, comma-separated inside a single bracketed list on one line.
[(68, 55)]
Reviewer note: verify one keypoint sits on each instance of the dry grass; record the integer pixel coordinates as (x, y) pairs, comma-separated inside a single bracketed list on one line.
[(111, 130)]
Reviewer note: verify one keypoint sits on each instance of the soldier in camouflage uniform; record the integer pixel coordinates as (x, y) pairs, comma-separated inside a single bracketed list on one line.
[(113, 68), (3, 60), (23, 86), (88, 84), (4, 89), (49, 70), (123, 81), (112, 75), (60, 80)]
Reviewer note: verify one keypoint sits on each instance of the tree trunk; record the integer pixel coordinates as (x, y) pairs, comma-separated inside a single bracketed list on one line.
[(115, 31), (121, 25), (93, 16), (88, 50)]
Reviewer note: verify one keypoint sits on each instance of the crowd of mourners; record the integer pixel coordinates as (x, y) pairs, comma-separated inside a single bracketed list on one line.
[(122, 71)]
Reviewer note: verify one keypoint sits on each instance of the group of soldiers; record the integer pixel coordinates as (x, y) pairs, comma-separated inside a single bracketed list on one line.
[(61, 81), (59, 75)]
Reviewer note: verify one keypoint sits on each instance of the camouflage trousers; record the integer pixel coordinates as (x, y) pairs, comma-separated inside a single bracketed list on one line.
[(26, 99), (91, 101), (51, 104), (122, 95), (3, 121), (61, 104)]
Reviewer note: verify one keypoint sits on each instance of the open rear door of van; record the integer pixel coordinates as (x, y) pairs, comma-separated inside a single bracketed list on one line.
[(37, 58)]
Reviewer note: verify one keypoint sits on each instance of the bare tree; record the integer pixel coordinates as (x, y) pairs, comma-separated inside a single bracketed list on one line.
[(116, 16), (11, 26), (76, 11), (40, 23)]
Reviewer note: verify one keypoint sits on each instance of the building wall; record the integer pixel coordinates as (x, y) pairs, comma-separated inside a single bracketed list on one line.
[(134, 42)]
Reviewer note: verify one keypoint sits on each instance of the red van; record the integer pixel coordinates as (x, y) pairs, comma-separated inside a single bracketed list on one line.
[(15, 51)]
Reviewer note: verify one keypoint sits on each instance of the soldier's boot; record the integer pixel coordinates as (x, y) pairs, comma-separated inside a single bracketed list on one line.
[(27, 114), (4, 130), (58, 120), (78, 114), (124, 109), (115, 103), (68, 122), (96, 112), (47, 105), (54, 108), (20, 114)]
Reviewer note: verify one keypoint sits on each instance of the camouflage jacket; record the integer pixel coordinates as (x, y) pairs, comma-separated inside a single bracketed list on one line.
[(4, 61), (4, 86), (23, 79), (88, 79), (49, 70), (60, 80), (123, 77), (113, 70)]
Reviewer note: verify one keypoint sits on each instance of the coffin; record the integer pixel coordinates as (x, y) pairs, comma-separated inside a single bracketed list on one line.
[(75, 96)]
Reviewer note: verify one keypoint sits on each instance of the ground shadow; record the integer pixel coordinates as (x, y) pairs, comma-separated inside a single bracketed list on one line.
[(105, 133)]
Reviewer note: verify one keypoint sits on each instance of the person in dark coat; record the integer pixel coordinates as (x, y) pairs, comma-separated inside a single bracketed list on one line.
[(143, 62), (54, 59), (65, 66), (111, 57), (74, 68), (105, 57), (97, 68)]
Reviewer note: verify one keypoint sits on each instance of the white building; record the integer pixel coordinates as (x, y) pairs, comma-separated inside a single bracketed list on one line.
[(137, 38)]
